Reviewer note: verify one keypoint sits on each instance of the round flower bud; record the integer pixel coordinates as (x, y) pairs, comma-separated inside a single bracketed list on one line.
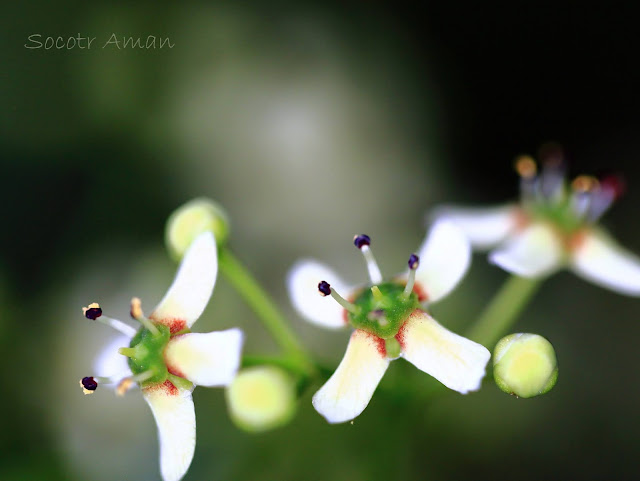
[(192, 219), (261, 398), (525, 365)]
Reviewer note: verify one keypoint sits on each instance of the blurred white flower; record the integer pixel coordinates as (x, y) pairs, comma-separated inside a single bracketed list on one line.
[(553, 226)]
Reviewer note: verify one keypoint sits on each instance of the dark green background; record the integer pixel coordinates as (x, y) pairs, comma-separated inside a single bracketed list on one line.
[(418, 106)]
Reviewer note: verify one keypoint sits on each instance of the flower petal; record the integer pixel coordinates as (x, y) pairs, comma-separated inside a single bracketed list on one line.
[(110, 363), (455, 361), (210, 359), (599, 259), (345, 395), (444, 259), (484, 227), (175, 416), (302, 283), (535, 252), (192, 287)]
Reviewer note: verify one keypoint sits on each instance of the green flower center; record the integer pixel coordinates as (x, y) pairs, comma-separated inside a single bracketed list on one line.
[(146, 355), (561, 214), (383, 309)]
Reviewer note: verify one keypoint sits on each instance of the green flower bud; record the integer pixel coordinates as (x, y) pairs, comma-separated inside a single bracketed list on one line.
[(261, 398), (192, 219), (525, 365)]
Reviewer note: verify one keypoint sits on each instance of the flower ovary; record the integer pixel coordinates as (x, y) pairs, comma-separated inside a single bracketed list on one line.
[(383, 309), (149, 354)]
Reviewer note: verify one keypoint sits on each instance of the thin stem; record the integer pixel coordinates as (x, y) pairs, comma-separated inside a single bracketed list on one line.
[(282, 362), (245, 284), (503, 309)]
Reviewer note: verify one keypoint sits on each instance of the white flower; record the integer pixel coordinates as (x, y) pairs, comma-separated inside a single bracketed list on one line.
[(554, 226), (167, 360), (390, 322)]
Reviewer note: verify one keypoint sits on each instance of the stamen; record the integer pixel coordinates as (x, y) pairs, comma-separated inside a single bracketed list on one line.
[(526, 167), (138, 315), (326, 290), (124, 386), (584, 188), (88, 385), (128, 382), (552, 185), (363, 242), (414, 262), (584, 183), (527, 170), (94, 312)]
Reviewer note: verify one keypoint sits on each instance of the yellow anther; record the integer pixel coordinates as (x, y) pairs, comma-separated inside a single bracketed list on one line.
[(136, 308), (585, 183), (526, 166), (124, 386)]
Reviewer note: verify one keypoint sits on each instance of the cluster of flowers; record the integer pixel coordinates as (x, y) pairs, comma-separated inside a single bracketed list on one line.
[(553, 226)]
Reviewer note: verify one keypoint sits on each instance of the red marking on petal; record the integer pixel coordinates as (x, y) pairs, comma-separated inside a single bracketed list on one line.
[(174, 324), (381, 346), (402, 332), (351, 299), (420, 291), (175, 371), (576, 240), (400, 335), (521, 220), (170, 367), (167, 387)]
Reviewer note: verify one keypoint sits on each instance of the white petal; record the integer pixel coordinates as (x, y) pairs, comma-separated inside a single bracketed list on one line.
[(444, 259), (110, 363), (455, 361), (484, 227), (302, 283), (599, 259), (210, 359), (192, 287), (176, 419), (534, 252), (349, 390)]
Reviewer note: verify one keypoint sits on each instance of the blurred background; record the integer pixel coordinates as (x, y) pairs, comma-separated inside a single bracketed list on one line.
[(309, 123)]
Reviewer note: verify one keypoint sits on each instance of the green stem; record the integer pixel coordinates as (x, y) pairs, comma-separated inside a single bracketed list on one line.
[(284, 362), (245, 284), (503, 310)]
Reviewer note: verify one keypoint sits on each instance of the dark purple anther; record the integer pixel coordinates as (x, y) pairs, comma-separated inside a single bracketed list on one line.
[(414, 262), (324, 288), (361, 240), (93, 313), (89, 383)]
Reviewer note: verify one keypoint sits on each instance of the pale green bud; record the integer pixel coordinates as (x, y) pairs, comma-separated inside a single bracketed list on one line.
[(261, 398), (525, 365), (192, 219)]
